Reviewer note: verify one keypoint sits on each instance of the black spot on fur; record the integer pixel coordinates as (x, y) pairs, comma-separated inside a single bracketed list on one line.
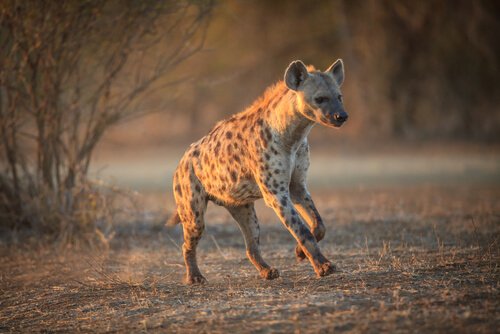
[(260, 121), (217, 148), (262, 138), (197, 188), (305, 233), (234, 177), (267, 156), (178, 189), (284, 201), (268, 133), (275, 103), (303, 229), (196, 153), (229, 135), (238, 135)]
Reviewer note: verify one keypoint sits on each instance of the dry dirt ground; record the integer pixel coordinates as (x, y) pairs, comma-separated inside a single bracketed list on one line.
[(410, 259)]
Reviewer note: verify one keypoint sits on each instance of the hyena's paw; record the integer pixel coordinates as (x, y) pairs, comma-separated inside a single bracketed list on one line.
[(270, 273), (195, 279), (299, 253), (326, 269)]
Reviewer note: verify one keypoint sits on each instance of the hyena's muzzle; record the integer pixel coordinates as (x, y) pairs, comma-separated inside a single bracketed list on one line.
[(333, 116)]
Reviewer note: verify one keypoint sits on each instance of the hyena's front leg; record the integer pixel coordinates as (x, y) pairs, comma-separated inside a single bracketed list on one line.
[(246, 218), (305, 205), (283, 206)]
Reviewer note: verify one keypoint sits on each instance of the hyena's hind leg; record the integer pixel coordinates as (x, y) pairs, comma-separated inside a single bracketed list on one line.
[(246, 218), (191, 202)]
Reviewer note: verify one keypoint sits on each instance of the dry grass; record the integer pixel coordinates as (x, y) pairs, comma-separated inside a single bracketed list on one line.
[(419, 259)]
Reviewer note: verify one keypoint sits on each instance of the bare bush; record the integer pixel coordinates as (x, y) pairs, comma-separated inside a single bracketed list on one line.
[(69, 71)]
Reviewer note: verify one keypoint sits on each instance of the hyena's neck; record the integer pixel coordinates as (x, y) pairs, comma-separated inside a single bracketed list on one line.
[(283, 116)]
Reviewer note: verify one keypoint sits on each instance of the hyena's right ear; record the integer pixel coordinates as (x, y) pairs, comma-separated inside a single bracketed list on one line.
[(295, 74)]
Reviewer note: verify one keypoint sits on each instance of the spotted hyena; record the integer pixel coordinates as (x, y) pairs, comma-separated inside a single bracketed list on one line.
[(262, 152)]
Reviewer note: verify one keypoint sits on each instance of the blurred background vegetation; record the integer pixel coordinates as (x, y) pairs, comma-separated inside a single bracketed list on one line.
[(80, 77), (415, 70)]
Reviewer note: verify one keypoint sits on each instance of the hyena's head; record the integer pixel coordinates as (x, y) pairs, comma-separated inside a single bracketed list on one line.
[(318, 93)]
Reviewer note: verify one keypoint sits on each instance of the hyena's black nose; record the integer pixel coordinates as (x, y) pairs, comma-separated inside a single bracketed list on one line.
[(340, 116)]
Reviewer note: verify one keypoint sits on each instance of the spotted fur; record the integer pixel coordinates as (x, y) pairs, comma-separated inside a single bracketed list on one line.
[(262, 152)]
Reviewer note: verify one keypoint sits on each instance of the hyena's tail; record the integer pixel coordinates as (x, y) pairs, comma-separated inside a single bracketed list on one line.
[(173, 220)]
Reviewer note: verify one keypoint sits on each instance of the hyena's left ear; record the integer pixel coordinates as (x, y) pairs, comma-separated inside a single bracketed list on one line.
[(337, 70)]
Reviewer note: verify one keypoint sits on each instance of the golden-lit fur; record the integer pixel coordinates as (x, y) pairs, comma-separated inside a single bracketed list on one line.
[(261, 152)]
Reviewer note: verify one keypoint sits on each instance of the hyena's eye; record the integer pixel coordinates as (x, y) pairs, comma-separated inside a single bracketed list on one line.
[(320, 99)]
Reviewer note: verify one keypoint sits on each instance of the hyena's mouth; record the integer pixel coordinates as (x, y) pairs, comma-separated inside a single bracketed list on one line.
[(338, 124)]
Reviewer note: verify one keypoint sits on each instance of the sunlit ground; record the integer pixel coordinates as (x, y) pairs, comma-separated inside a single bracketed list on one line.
[(411, 259)]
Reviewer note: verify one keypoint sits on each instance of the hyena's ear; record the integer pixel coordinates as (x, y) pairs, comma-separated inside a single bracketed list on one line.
[(295, 74), (337, 70)]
